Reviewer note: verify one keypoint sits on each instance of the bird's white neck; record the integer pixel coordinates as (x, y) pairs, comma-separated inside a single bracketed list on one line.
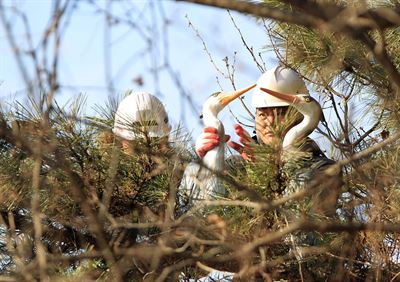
[(303, 129), (210, 119)]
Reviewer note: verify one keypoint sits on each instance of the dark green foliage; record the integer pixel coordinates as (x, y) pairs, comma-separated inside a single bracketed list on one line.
[(107, 207), (133, 183)]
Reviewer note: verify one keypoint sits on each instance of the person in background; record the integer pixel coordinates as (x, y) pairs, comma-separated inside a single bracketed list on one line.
[(141, 115), (142, 130)]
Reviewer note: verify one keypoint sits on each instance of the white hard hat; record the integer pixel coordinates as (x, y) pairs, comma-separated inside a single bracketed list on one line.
[(279, 79), (141, 113)]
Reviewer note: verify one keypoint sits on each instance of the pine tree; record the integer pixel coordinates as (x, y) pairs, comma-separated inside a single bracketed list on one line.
[(76, 205)]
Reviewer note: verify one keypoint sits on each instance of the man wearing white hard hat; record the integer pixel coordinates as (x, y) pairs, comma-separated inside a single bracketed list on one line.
[(271, 112)]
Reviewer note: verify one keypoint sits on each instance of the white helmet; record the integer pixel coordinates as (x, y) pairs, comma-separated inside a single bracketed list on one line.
[(139, 113), (279, 79)]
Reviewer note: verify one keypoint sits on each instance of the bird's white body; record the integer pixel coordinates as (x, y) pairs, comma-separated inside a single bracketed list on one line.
[(215, 158), (203, 181), (214, 161)]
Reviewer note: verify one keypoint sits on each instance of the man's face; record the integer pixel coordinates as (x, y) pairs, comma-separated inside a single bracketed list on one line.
[(268, 122)]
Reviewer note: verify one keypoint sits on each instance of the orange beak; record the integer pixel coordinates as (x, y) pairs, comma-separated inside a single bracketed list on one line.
[(292, 99), (227, 97)]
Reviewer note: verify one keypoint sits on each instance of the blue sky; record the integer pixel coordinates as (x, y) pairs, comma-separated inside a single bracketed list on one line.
[(83, 68)]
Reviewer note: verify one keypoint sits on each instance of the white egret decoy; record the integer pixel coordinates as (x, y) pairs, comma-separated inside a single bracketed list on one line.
[(202, 182), (308, 107)]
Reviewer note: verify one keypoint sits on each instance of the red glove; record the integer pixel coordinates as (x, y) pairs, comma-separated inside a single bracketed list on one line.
[(246, 147), (208, 140)]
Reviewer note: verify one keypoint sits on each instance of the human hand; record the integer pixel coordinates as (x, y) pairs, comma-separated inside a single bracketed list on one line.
[(208, 140), (246, 147)]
